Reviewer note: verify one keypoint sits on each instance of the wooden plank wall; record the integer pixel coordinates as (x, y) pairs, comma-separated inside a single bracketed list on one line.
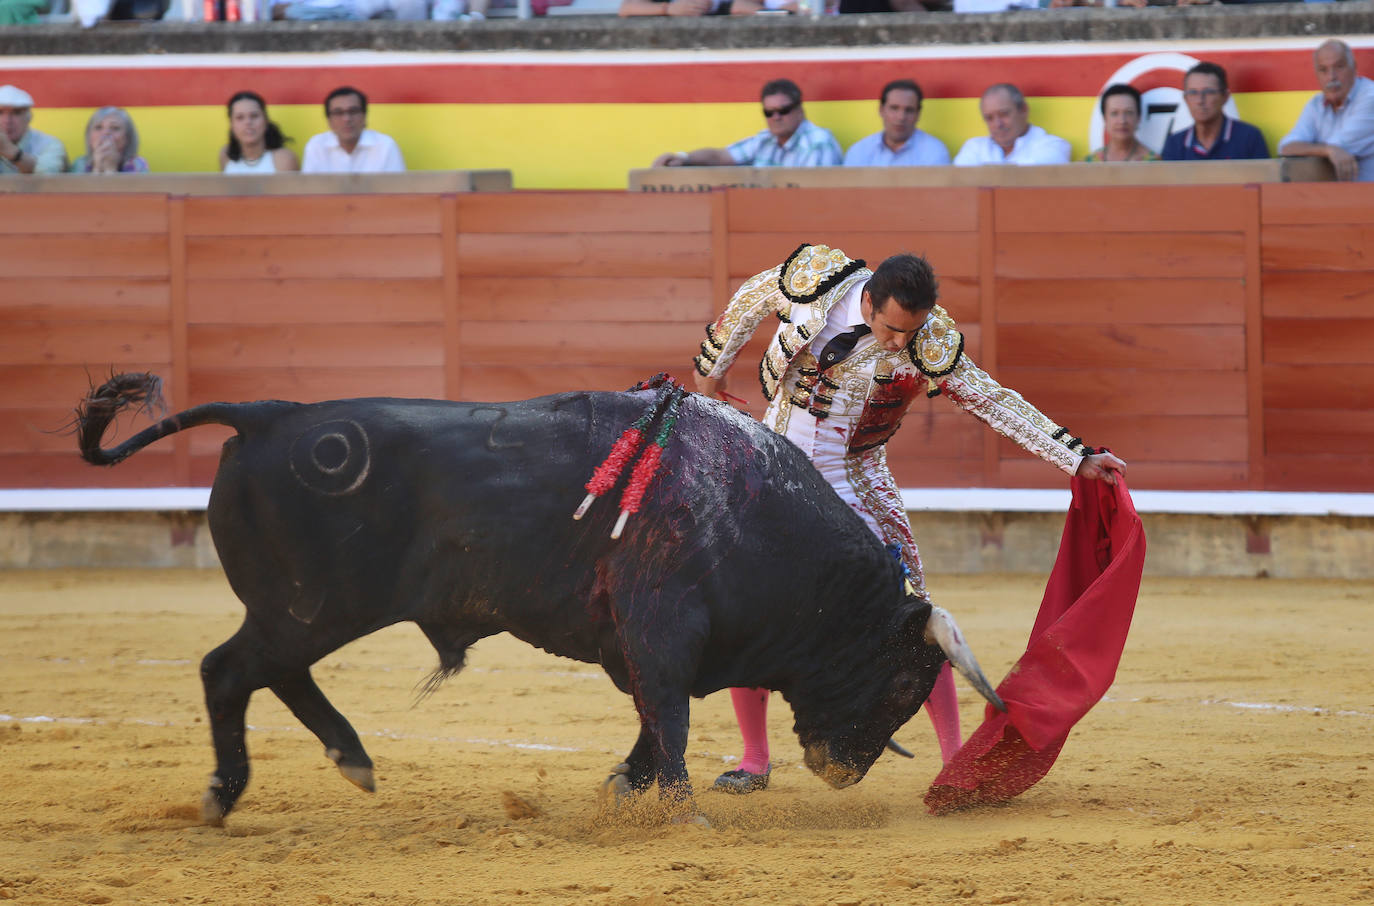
[(1217, 337), (1121, 313), (85, 290), (1318, 309)]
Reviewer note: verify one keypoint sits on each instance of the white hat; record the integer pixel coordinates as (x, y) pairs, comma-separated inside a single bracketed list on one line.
[(11, 96)]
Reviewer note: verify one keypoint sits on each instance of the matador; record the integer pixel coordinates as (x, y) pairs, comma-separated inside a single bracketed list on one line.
[(852, 350)]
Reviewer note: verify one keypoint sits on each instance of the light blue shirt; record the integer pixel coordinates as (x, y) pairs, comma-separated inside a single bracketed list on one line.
[(809, 146), (921, 150), (1350, 128)]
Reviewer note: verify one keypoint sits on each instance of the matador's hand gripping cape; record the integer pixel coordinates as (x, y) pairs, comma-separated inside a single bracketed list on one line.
[(1071, 658)]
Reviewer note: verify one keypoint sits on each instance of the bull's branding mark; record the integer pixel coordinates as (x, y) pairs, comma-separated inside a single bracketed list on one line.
[(331, 458), (498, 414)]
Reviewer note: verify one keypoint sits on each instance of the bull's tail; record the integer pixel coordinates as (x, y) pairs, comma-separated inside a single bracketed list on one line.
[(139, 392)]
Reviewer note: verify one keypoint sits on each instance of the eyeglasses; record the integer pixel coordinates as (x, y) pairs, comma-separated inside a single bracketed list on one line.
[(780, 111), (346, 111), (1202, 92)]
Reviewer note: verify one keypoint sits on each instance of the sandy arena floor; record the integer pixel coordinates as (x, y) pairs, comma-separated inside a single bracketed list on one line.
[(1230, 763)]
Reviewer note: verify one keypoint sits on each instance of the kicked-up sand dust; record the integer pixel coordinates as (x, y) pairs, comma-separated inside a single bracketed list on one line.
[(1232, 762)]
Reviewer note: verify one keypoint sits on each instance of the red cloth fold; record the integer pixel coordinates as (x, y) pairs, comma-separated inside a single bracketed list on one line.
[(1071, 658)]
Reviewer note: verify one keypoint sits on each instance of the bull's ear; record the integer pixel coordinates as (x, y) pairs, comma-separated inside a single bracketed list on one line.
[(916, 612)]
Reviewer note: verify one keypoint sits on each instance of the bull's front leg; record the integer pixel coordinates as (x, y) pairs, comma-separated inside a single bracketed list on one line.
[(667, 722)]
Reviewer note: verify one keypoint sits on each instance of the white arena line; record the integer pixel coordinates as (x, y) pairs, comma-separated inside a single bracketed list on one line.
[(381, 734), (1299, 709), (1029, 500)]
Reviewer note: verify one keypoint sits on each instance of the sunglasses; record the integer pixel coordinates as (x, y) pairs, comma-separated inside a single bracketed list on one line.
[(780, 111)]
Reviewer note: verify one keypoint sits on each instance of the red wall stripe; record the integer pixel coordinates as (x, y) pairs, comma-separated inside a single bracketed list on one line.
[(636, 82)]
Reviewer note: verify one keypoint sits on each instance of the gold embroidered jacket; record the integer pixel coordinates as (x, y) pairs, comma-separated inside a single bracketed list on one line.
[(800, 293)]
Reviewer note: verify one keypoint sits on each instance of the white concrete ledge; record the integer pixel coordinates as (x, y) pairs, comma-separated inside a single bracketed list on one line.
[(1222, 503), (77, 500), (1002, 500)]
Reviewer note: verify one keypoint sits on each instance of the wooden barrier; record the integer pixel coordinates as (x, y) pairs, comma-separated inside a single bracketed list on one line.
[(1215, 336), (252, 184), (1139, 173)]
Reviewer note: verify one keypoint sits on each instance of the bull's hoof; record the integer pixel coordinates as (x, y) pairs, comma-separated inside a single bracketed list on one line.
[(698, 819), (356, 774), (616, 788), (741, 782), (212, 810)]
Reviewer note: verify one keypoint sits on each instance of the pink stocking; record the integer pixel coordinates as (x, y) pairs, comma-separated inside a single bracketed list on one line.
[(751, 710), (943, 708)]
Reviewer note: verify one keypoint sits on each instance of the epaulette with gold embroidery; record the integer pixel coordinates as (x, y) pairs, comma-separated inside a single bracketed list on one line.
[(812, 271), (936, 348)]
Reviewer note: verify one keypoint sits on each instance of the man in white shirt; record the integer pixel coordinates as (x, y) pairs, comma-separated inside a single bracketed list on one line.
[(1338, 123), (349, 146), (900, 144), (1011, 138), (24, 150)]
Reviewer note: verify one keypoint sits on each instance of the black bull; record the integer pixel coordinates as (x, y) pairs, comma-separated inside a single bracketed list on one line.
[(744, 568)]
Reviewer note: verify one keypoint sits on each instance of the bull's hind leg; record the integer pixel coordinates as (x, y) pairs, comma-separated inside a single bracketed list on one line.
[(231, 674), (341, 744)]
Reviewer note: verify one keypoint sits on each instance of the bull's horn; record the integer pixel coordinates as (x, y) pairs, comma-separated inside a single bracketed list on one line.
[(900, 749), (941, 630)]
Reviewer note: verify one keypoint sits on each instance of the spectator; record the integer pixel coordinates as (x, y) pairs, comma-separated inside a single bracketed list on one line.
[(900, 143), (1121, 113), (349, 146), (691, 7), (111, 144), (1337, 124), (1011, 138), (791, 140), (316, 10), (21, 12), (891, 6), (465, 10), (1213, 135), (256, 144), (25, 150)]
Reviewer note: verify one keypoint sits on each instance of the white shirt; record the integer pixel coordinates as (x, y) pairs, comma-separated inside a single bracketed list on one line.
[(1035, 147), (265, 164), (375, 153), (921, 150), (843, 316), (826, 441)]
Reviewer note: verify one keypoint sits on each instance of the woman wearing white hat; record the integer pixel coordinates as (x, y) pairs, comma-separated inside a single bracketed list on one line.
[(25, 150)]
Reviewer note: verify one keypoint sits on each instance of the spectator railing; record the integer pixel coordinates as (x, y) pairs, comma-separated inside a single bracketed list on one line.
[(1151, 173)]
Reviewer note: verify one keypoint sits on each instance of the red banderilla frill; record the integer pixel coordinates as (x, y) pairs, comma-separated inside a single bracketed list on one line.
[(606, 474), (624, 449)]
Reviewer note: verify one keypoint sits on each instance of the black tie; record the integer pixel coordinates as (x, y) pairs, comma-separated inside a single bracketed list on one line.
[(839, 348)]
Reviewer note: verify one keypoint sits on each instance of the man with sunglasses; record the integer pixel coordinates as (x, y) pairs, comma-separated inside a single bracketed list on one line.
[(790, 139), (1213, 135), (349, 146), (853, 349)]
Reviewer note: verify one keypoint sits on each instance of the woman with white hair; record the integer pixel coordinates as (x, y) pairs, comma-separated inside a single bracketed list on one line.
[(111, 144)]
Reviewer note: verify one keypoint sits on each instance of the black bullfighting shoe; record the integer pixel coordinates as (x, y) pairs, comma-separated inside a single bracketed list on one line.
[(741, 782)]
